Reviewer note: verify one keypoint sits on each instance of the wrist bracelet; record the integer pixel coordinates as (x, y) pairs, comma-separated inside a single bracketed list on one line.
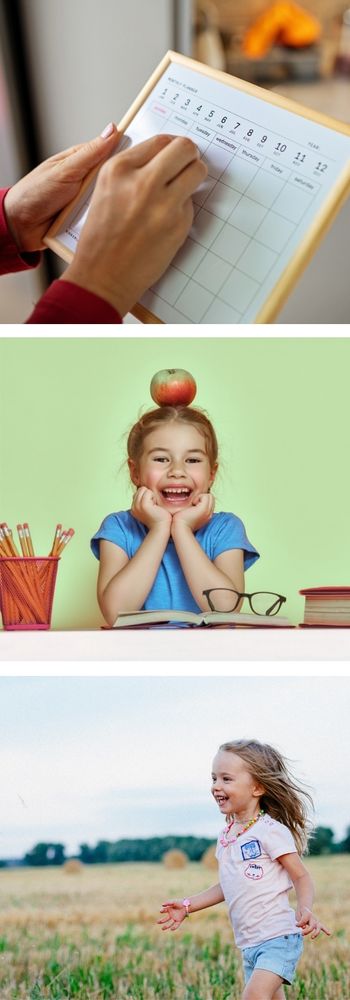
[(186, 903)]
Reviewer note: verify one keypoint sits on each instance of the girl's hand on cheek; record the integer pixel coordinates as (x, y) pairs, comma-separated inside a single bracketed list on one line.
[(197, 515), (146, 509)]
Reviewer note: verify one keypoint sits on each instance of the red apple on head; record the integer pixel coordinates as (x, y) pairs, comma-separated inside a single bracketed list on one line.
[(173, 387)]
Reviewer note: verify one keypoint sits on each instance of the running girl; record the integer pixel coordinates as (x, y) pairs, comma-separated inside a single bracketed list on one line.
[(259, 861)]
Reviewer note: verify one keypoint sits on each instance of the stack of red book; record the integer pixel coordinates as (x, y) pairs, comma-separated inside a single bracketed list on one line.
[(327, 606)]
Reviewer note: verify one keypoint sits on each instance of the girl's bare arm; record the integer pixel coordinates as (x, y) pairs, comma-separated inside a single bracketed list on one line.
[(174, 911), (202, 574), (123, 584), (304, 889)]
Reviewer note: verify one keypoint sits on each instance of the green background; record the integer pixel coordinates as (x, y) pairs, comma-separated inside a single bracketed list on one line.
[(281, 411)]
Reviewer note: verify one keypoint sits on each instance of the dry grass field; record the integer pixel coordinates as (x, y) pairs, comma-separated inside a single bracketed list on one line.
[(93, 936)]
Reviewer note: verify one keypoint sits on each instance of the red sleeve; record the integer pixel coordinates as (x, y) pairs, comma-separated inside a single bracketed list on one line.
[(10, 257), (65, 302)]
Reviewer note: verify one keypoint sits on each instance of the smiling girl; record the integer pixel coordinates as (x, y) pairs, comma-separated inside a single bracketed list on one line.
[(170, 546), (259, 861)]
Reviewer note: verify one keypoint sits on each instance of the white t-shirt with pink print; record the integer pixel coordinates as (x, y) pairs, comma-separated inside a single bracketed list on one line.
[(255, 884)]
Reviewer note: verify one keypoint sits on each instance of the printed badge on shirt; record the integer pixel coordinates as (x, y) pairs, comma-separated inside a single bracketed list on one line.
[(251, 850), (254, 872)]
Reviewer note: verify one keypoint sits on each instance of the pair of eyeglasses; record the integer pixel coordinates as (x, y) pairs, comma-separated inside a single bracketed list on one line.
[(262, 602)]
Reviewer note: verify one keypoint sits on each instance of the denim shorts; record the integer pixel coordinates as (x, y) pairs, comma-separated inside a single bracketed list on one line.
[(279, 955)]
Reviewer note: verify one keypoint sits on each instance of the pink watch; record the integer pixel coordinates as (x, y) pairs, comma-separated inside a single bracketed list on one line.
[(186, 903)]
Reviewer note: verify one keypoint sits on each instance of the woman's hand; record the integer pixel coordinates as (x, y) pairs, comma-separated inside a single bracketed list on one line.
[(175, 913), (32, 204), (146, 510), (140, 213), (309, 924), (195, 516)]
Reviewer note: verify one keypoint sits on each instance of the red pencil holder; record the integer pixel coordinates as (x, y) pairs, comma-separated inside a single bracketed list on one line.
[(27, 586)]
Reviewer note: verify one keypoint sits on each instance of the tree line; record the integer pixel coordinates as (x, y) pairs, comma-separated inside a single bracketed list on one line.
[(152, 849)]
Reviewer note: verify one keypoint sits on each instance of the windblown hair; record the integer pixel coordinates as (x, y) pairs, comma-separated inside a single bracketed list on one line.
[(172, 414), (284, 799)]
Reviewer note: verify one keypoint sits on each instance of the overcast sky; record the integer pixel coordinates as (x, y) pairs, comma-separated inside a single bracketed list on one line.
[(89, 758)]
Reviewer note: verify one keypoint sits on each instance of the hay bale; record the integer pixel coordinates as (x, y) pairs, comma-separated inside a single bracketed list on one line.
[(73, 866), (208, 858), (175, 859)]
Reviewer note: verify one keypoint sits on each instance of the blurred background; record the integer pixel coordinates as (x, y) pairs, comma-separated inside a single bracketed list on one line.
[(66, 69), (86, 758)]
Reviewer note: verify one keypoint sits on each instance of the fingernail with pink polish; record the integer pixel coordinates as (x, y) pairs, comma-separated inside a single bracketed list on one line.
[(107, 131)]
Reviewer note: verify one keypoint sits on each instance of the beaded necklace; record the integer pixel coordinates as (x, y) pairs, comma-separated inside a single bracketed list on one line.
[(225, 842)]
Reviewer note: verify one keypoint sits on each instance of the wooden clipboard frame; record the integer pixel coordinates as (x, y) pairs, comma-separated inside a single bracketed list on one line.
[(305, 251)]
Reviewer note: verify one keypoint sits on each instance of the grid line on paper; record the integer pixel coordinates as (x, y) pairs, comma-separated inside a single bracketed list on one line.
[(248, 195), (224, 260), (226, 218)]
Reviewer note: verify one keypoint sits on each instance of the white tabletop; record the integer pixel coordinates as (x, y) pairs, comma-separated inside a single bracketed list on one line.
[(177, 645)]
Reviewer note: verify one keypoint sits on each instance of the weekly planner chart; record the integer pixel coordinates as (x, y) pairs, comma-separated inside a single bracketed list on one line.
[(275, 180)]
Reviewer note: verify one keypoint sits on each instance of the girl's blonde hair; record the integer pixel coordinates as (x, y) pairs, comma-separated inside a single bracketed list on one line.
[(171, 414), (283, 798)]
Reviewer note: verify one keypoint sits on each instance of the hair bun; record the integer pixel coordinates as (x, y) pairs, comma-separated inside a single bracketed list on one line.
[(173, 387)]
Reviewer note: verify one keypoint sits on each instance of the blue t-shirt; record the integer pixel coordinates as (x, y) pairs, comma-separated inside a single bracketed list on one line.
[(170, 589)]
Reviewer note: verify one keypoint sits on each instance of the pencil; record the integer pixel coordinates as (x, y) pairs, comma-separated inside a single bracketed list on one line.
[(4, 551), (13, 544), (2, 543), (22, 539), (28, 572), (39, 578), (10, 551), (7, 541), (28, 538), (44, 571), (57, 536), (65, 538)]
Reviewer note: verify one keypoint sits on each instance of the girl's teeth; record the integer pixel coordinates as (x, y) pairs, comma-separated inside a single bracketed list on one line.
[(176, 493)]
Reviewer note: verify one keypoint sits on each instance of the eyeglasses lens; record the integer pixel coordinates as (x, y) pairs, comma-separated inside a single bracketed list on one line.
[(265, 604), (224, 600)]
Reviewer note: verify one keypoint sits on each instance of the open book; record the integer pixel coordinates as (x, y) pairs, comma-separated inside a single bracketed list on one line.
[(133, 619)]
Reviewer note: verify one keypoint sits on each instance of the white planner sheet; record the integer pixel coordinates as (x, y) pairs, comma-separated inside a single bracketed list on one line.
[(270, 172)]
